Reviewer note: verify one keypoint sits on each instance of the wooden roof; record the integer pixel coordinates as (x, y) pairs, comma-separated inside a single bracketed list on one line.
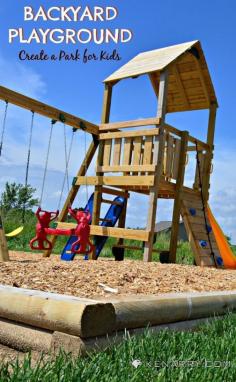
[(190, 86)]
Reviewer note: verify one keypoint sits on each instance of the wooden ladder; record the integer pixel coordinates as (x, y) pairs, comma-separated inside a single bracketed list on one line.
[(193, 217)]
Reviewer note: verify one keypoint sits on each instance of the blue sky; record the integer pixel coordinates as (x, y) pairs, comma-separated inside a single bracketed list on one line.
[(77, 88)]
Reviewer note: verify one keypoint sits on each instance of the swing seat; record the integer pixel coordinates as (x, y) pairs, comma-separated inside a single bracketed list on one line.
[(43, 244), (16, 232)]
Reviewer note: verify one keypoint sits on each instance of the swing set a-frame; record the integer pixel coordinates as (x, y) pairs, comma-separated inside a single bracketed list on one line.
[(149, 156)]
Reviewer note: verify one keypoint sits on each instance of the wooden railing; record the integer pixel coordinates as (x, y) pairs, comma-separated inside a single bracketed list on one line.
[(130, 153)]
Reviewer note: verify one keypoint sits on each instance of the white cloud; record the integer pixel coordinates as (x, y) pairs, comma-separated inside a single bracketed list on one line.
[(21, 78)]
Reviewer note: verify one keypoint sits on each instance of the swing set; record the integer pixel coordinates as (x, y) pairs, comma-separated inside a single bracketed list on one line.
[(150, 159), (41, 242)]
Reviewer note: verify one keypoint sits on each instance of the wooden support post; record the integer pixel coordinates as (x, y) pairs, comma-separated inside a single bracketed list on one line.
[(98, 189), (74, 190), (158, 156), (4, 255), (209, 154), (122, 219), (177, 202)]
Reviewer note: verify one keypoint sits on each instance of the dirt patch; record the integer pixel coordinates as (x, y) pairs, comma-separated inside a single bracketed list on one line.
[(82, 278)]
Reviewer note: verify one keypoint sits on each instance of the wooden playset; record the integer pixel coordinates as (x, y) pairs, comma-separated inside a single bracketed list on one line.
[(148, 156)]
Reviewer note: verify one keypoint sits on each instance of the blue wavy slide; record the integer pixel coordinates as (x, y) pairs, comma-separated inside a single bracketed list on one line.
[(110, 220)]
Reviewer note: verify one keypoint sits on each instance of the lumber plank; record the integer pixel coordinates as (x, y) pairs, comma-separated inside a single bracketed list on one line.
[(180, 85), (129, 134), (154, 78), (209, 154), (202, 79), (127, 124), (107, 96), (147, 153), (4, 255), (201, 145), (107, 153), (176, 158), (158, 157), (145, 180), (46, 110), (132, 234), (169, 156), (117, 152), (128, 145), (127, 168), (137, 150), (177, 201), (112, 191)]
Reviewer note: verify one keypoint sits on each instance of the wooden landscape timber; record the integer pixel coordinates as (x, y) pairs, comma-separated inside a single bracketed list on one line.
[(76, 332)]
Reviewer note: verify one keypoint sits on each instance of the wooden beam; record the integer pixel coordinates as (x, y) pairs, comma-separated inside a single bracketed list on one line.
[(134, 180), (4, 255), (158, 157), (154, 82), (132, 234), (128, 168), (180, 85), (209, 154), (46, 110), (177, 202), (74, 189), (112, 191), (98, 189), (127, 124), (174, 130), (129, 134), (202, 79)]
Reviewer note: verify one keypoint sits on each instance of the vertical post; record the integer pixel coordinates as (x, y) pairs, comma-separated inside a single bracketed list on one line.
[(73, 191), (209, 154), (98, 189), (158, 155), (4, 255), (177, 201), (122, 219)]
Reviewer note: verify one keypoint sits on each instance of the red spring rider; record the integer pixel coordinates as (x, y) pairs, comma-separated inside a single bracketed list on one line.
[(82, 231), (44, 219)]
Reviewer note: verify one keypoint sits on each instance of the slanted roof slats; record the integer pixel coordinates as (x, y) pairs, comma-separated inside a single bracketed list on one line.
[(190, 86)]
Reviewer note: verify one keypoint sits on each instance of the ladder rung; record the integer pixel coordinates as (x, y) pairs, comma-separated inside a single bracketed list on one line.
[(107, 201), (112, 191), (105, 220)]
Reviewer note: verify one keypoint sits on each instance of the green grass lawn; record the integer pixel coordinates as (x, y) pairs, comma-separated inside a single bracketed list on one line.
[(207, 354)]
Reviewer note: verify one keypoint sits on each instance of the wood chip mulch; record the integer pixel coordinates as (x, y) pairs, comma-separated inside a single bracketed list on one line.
[(82, 278)]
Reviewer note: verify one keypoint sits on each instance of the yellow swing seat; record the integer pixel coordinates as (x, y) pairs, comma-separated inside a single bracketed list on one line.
[(16, 232)]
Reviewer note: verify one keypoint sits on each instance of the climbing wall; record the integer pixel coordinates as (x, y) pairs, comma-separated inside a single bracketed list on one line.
[(193, 217)]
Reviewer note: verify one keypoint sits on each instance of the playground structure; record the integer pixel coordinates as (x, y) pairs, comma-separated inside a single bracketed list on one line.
[(151, 161)]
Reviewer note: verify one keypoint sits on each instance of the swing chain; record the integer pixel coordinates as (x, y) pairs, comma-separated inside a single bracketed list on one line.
[(53, 121), (86, 167), (3, 126), (67, 160), (28, 163)]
